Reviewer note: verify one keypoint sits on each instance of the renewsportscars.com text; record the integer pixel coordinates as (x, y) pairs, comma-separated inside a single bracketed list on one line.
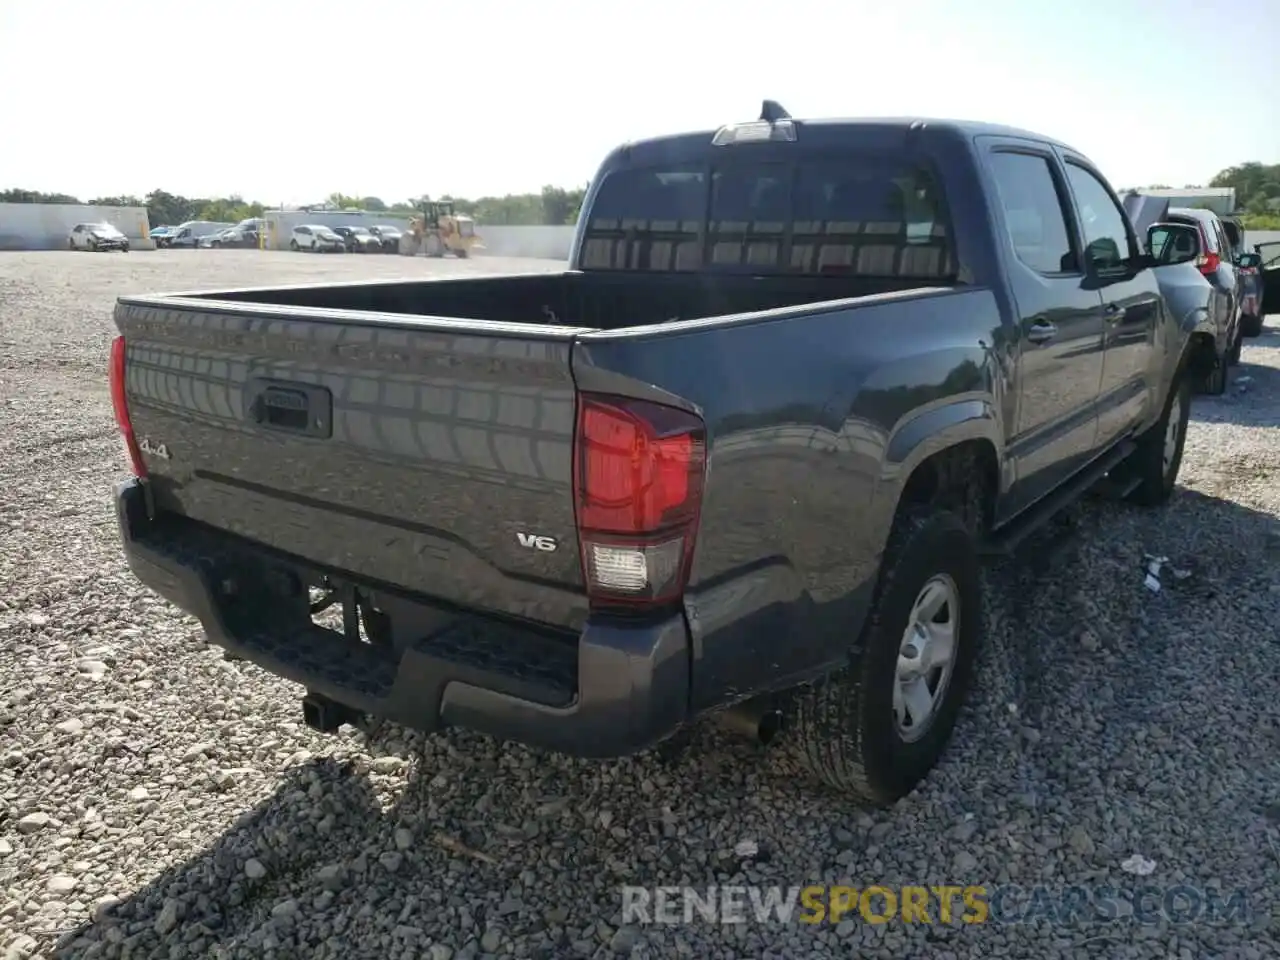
[(942, 904)]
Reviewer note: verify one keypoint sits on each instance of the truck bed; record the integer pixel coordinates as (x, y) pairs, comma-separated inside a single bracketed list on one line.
[(596, 300), (377, 429)]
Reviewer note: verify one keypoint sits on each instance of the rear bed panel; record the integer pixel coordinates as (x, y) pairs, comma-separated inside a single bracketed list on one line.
[(443, 447)]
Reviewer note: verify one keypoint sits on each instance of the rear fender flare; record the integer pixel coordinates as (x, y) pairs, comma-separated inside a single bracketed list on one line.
[(1197, 321), (929, 433)]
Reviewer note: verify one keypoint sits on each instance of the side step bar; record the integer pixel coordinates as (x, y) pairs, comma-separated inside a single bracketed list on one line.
[(1004, 540)]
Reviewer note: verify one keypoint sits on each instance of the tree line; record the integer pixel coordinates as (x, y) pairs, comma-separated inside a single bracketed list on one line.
[(1257, 187), (554, 205)]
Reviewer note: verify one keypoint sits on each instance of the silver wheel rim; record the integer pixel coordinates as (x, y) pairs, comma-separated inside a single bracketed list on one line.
[(1171, 431), (926, 657)]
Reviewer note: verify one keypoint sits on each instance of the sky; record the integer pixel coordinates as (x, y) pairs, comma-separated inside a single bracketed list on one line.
[(286, 102)]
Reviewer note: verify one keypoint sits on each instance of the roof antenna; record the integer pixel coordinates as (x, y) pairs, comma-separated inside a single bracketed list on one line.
[(772, 111)]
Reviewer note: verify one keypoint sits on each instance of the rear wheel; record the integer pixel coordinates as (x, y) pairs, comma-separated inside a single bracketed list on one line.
[(71, 244), (1215, 380), (877, 726), (293, 245), (1251, 326)]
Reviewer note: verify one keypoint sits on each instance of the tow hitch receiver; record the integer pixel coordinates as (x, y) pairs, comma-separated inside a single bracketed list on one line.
[(325, 715)]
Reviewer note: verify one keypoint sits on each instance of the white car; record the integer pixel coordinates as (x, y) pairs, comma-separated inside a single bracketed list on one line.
[(316, 238), (97, 236), (229, 237)]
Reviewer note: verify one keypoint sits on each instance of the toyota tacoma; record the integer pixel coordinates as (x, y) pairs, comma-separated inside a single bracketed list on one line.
[(750, 447)]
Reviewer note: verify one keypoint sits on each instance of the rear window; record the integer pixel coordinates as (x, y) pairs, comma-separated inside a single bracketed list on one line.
[(1206, 229), (862, 216)]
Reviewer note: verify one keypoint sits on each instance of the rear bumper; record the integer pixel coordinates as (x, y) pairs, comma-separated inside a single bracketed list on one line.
[(618, 689)]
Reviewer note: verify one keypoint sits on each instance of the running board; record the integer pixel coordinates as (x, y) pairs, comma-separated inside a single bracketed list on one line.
[(1006, 539), (1109, 488)]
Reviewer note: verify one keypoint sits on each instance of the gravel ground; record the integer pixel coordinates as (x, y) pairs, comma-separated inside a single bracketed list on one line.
[(159, 801)]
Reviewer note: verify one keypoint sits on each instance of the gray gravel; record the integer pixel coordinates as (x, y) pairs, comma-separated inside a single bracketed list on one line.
[(159, 801)]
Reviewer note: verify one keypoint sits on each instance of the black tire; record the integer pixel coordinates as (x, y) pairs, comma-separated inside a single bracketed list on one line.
[(462, 254), (1214, 383), (842, 729), (71, 244), (1156, 477), (1251, 326), (1233, 354)]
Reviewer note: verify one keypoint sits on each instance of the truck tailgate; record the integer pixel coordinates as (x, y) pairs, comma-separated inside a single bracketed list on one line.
[(431, 456)]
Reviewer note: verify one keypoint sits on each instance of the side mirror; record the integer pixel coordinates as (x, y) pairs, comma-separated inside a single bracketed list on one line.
[(1253, 260)]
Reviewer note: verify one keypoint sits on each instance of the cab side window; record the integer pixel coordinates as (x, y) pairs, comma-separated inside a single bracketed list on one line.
[(1033, 213), (1103, 222)]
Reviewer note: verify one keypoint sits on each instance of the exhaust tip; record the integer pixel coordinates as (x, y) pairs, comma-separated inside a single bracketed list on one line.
[(753, 721), (771, 724)]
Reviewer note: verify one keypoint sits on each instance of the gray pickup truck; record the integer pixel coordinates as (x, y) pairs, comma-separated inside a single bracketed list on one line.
[(748, 449)]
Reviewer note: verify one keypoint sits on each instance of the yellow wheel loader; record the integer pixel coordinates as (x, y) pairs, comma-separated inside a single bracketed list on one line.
[(439, 230)]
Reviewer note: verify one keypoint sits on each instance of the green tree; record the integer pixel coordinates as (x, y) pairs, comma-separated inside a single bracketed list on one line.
[(123, 201), (1250, 181), (35, 196), (552, 205), (169, 208), (341, 201), (231, 209)]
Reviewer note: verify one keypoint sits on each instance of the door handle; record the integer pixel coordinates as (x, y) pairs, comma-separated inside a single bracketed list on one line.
[(1112, 312), (1041, 332)]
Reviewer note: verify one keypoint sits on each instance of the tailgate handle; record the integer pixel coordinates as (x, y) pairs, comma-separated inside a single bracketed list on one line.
[(300, 408)]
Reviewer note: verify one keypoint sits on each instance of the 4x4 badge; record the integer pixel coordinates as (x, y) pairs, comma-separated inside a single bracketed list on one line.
[(150, 447)]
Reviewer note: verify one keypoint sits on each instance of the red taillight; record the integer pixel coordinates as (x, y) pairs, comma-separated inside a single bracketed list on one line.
[(120, 403), (638, 477), (1207, 262)]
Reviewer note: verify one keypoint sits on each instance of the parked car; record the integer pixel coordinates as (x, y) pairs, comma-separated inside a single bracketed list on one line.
[(246, 233), (317, 239), (97, 236), (192, 232), (1250, 279), (358, 239), (388, 237), (1214, 260), (1175, 251), (1263, 265), (223, 238), (743, 456), (160, 235)]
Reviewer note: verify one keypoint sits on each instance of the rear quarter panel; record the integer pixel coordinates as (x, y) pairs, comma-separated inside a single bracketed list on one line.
[(815, 420)]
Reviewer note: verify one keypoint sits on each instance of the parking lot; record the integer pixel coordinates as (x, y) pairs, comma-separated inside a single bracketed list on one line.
[(138, 764)]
